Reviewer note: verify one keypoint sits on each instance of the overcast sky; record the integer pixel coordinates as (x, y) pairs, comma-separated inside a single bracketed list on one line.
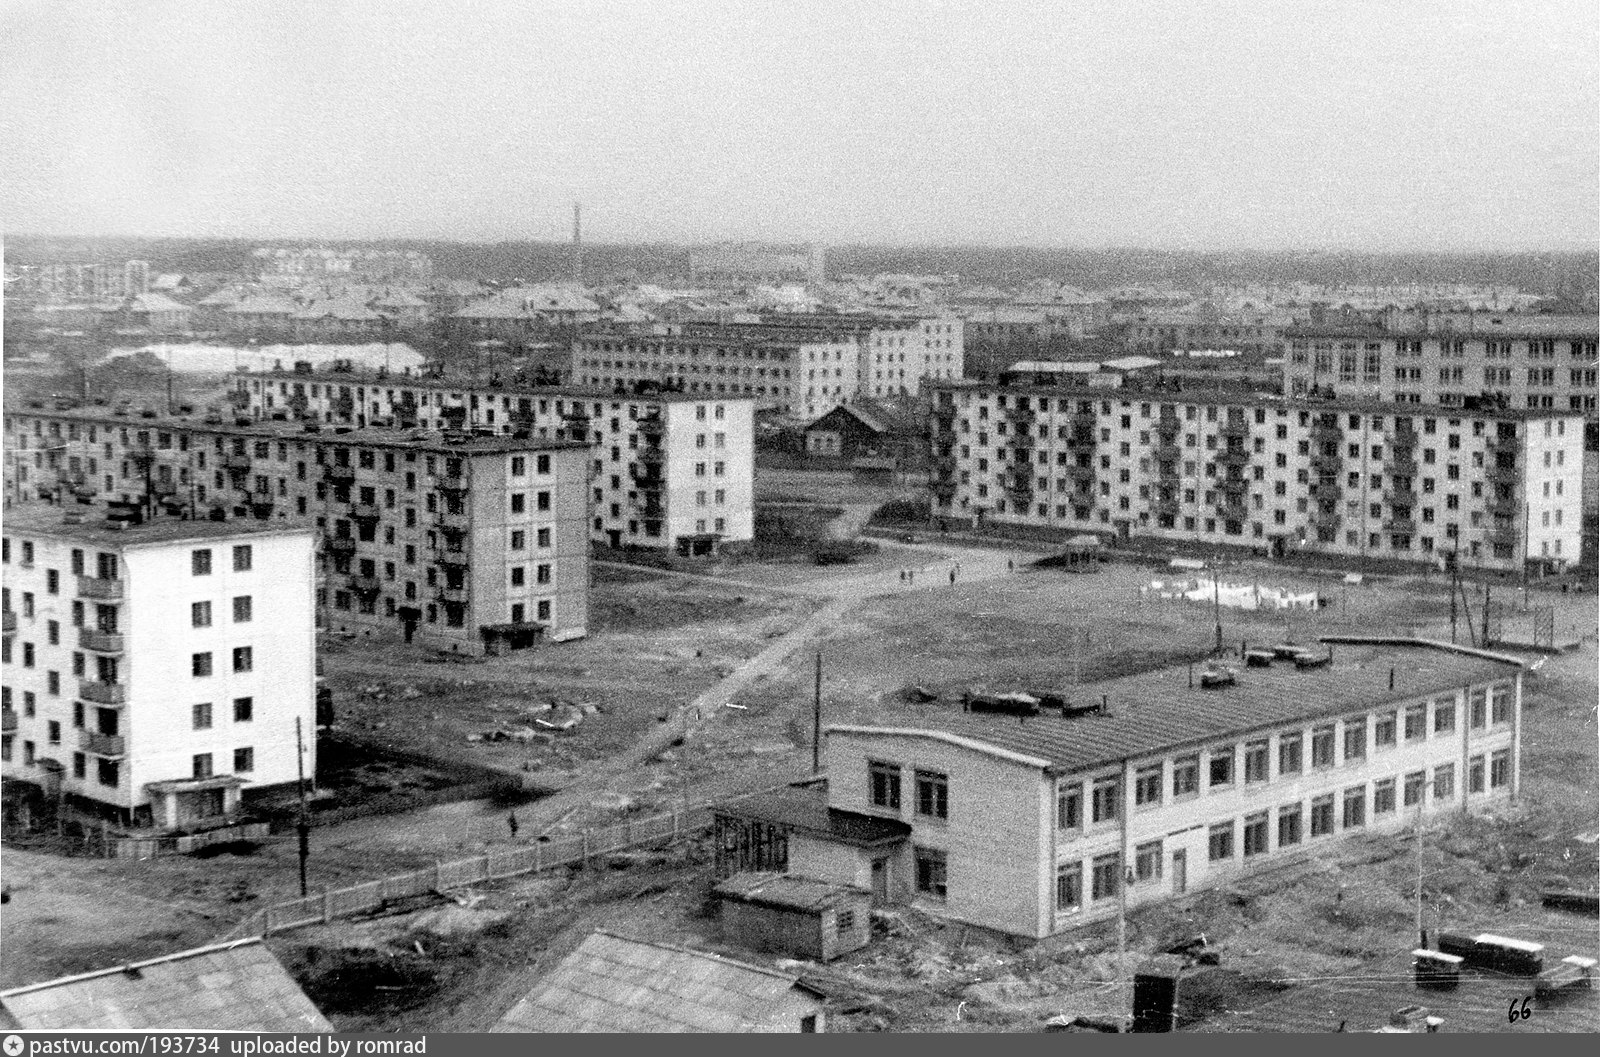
[(1185, 124)]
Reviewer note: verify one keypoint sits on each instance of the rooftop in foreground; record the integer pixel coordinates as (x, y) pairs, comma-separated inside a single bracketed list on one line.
[(1158, 711), (48, 519)]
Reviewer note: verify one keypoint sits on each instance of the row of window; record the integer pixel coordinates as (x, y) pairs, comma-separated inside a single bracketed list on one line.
[(200, 560), (1387, 728)]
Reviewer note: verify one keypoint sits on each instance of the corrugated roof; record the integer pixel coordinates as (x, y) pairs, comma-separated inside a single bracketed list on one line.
[(1157, 711), (233, 987), (787, 891), (612, 984)]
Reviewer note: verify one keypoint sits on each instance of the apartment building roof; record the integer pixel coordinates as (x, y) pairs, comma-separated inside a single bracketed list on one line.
[(581, 392), (1157, 712), (700, 340), (1131, 392), (48, 519), (437, 441), (1497, 325)]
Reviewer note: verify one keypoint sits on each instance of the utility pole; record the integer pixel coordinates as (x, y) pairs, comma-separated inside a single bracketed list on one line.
[(1421, 799), (303, 826), (816, 721), (1455, 584), (1485, 635), (1216, 598)]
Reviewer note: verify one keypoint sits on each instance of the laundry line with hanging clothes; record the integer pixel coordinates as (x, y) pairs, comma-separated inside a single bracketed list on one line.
[(1234, 596)]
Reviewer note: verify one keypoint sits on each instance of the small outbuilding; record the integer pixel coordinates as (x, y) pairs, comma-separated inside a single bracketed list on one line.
[(796, 916)]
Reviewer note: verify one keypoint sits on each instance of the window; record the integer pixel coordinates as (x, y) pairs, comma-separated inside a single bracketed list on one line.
[(884, 783), (1147, 785), (244, 709), (519, 502), (519, 540), (1185, 776), (200, 563), (844, 921), (1444, 716), (1322, 815), (200, 664), (1289, 824), (106, 773), (1383, 730), (242, 557), (933, 794), (202, 765), (1107, 878), (200, 615), (1220, 767), (1289, 751), (519, 576), (244, 760), (1322, 747), (1107, 796), (1069, 806), (243, 658), (1355, 807), (1255, 834), (1479, 709), (931, 875), (1069, 887), (544, 537), (1255, 761), (1500, 768), (1147, 861), (543, 501), (1355, 739), (1221, 843), (1475, 774), (1383, 797), (241, 609), (1412, 792), (1500, 707), (201, 715), (1416, 722), (542, 574), (1444, 782)]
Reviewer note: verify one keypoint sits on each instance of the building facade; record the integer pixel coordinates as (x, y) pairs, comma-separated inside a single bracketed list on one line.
[(106, 705), (1036, 827), (1355, 479), (668, 470), (462, 542)]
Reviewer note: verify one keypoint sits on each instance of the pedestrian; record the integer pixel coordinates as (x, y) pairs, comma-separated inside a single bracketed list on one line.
[(952, 577), (911, 576), (511, 821), (902, 576), (1011, 566)]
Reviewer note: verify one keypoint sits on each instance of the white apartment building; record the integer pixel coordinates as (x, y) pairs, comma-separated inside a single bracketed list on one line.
[(154, 672), (1357, 479), (1035, 826), (667, 470)]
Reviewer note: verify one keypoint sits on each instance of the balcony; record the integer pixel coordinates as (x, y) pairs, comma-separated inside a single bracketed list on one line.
[(10, 623), (650, 508), (1235, 430), (99, 641), (1398, 467), (453, 482), (1397, 498), (342, 545), (102, 693), (340, 476), (8, 720), (236, 463), (364, 511), (1400, 526), (1232, 511), (650, 455), (100, 589), (944, 488), (652, 426), (109, 745), (1233, 457), (454, 558), (1502, 506), (365, 585), (454, 595), (453, 522), (1167, 451)]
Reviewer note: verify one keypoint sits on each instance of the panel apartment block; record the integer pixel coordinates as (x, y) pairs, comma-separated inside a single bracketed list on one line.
[(668, 471), (458, 541), (153, 672), (1354, 479), (1033, 826)]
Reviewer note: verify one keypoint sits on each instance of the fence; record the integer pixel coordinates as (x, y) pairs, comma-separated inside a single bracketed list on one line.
[(491, 866)]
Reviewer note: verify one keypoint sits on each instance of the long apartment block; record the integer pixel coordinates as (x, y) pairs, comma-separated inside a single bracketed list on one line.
[(1538, 363), (1355, 479), (154, 672), (1037, 826), (461, 542), (796, 368), (667, 471)]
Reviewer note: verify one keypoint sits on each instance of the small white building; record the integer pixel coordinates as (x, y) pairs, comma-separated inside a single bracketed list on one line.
[(155, 672)]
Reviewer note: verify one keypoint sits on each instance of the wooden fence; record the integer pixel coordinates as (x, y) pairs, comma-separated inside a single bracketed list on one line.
[(578, 848)]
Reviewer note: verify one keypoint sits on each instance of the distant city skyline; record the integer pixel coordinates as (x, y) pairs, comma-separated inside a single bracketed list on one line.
[(1352, 127)]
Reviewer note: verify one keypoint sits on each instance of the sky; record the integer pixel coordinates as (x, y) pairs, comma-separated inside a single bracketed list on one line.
[(1191, 124)]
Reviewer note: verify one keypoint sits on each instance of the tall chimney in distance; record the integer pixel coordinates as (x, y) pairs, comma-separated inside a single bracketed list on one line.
[(577, 243)]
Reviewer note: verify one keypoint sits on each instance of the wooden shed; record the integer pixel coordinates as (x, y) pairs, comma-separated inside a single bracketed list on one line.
[(796, 916)]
